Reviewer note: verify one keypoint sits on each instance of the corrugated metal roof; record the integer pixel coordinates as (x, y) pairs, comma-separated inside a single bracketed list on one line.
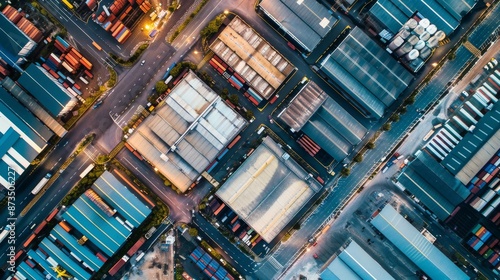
[(82, 252), (42, 262), (121, 198), (264, 68), (389, 15), (103, 231), (64, 260), (355, 263), (306, 21), (479, 159), (329, 140), (445, 14), (30, 103), (415, 246), (473, 141), (433, 185), (14, 43), (29, 272), (49, 93), (303, 106), (267, 191), (366, 72), (196, 121)]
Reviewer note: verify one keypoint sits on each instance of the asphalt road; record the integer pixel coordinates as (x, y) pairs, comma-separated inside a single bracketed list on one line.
[(133, 88)]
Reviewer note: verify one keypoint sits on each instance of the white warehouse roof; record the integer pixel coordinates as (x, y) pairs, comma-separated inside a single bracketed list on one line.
[(268, 189), (185, 134)]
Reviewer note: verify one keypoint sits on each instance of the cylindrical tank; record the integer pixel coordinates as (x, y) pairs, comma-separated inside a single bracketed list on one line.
[(420, 45), (431, 29), (424, 23), (405, 48), (412, 54), (404, 33), (440, 35), (425, 36), (411, 23), (412, 40), (425, 53), (419, 30), (432, 42), (396, 43)]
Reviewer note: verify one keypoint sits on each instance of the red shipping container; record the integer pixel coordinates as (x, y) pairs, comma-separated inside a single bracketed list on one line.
[(483, 250), (77, 87)]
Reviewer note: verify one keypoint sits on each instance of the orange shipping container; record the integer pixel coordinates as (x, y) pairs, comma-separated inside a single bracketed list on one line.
[(115, 25), (27, 243), (86, 63), (124, 35), (118, 30), (76, 53), (65, 226), (123, 39)]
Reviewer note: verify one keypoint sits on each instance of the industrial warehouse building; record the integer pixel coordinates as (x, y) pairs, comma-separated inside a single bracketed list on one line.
[(15, 44), (93, 229), (22, 137), (445, 14), (415, 246), (307, 22), (268, 189), (433, 185), (326, 123), (262, 67), (48, 91), (185, 134), (365, 73), (354, 263)]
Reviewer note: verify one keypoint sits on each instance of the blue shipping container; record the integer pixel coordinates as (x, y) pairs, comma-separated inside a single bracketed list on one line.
[(222, 154)]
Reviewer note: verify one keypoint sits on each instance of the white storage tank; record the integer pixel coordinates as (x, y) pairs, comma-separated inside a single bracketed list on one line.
[(405, 48), (411, 23), (404, 33), (440, 35), (413, 39), (425, 36), (432, 42), (396, 43), (431, 29), (413, 54), (419, 30), (424, 23), (420, 45)]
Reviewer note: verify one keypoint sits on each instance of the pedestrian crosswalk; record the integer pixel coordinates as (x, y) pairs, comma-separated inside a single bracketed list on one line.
[(275, 263), (472, 49)]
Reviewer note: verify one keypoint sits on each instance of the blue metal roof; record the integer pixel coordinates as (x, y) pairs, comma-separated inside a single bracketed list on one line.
[(14, 43), (473, 141), (29, 272), (64, 260), (42, 262), (433, 185), (415, 246), (121, 198), (328, 139), (48, 92), (80, 251), (389, 15), (103, 231), (24, 119)]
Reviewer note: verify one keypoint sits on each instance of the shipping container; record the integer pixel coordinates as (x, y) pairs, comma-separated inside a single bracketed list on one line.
[(29, 240), (40, 227), (235, 140), (84, 80), (65, 226), (216, 212), (52, 215), (86, 63)]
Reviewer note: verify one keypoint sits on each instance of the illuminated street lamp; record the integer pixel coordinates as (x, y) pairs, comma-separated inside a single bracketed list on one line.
[(434, 64), (226, 12)]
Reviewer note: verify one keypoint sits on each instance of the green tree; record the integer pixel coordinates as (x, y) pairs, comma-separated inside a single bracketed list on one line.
[(345, 172), (193, 231), (249, 114), (161, 87), (386, 127), (101, 159), (358, 158), (234, 99), (403, 110), (296, 226), (394, 118), (224, 93), (370, 145)]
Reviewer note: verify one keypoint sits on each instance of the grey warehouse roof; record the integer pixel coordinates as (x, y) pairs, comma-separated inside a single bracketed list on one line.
[(307, 21), (433, 185), (47, 91), (473, 141), (415, 246), (268, 189), (184, 135), (366, 73), (355, 263), (324, 121), (445, 14)]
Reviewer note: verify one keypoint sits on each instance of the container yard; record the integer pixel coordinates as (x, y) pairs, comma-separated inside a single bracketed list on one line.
[(19, 19), (121, 16), (68, 66)]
